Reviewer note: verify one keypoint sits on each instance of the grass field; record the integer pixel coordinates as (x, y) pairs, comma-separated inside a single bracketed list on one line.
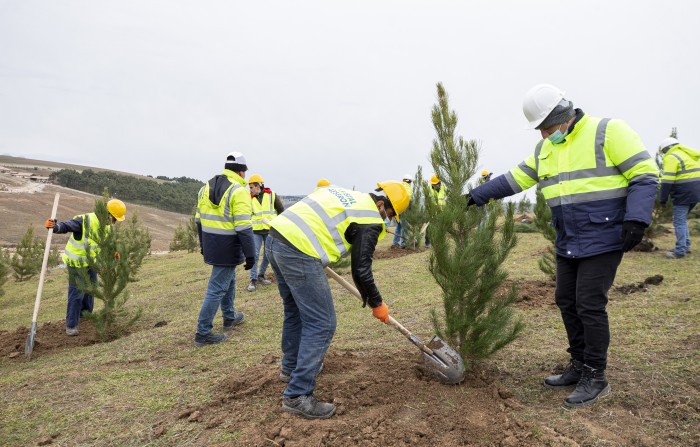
[(135, 391)]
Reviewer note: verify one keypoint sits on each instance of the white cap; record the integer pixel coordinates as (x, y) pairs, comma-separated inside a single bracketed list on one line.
[(237, 160), (667, 142), (407, 177)]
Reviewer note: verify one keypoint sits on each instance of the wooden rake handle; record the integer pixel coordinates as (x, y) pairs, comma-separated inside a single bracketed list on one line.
[(352, 289)]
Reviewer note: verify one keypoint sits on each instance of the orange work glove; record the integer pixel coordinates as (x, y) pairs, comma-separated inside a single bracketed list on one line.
[(50, 223), (117, 256), (381, 312)]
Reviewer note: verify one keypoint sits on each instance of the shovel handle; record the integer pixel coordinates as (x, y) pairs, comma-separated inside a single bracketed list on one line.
[(47, 250), (392, 321)]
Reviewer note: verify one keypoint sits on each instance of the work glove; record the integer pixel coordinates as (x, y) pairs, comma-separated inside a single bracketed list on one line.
[(249, 263), (50, 223), (470, 201), (117, 256), (381, 312), (632, 234)]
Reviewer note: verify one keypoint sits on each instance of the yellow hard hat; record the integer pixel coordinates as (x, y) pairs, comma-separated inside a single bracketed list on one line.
[(117, 209), (434, 180), (484, 173), (397, 195), (323, 182), (255, 178)]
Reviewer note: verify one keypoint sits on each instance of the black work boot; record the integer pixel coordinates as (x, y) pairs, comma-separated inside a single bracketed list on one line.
[(308, 406), (592, 386), (230, 324), (569, 377)]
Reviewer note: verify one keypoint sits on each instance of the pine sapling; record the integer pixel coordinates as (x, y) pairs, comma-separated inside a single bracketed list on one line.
[(466, 259), (416, 216), (4, 269), (543, 222), (28, 257)]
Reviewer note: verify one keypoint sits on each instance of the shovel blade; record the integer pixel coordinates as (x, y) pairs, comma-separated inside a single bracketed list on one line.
[(29, 345), (445, 364)]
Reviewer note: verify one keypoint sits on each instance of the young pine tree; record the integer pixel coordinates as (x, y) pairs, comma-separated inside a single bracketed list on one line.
[(4, 269), (27, 260), (543, 222), (415, 217), (111, 263), (466, 257), (186, 237), (137, 238)]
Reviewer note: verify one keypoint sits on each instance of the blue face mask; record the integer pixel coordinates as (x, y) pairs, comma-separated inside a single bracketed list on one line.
[(558, 137)]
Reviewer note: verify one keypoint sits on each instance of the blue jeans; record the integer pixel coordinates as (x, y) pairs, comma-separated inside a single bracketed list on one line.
[(309, 315), (220, 292), (397, 235), (260, 240), (78, 302), (680, 225)]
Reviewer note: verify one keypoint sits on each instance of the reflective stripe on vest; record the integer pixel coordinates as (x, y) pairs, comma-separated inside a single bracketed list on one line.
[(76, 250), (599, 182), (689, 166), (211, 220), (265, 209), (316, 224)]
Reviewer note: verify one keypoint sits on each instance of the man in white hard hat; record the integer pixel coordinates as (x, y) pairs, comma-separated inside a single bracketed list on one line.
[(226, 236), (681, 180), (600, 182)]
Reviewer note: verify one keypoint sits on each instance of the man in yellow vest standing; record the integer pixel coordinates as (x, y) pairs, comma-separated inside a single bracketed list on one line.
[(680, 180), (84, 229), (439, 193), (326, 225), (266, 204), (600, 183), (226, 238)]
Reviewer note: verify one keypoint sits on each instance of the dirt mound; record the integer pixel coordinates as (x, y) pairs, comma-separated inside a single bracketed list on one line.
[(531, 294), (50, 336), (627, 289), (395, 252), (381, 400)]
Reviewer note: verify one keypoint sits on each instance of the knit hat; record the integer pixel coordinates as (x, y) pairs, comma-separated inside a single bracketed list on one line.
[(235, 161), (562, 113)]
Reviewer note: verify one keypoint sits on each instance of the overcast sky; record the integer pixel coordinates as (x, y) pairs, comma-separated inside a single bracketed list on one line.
[(343, 90)]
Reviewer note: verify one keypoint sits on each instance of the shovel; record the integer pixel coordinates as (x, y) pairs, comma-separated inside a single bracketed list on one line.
[(29, 346), (440, 359)]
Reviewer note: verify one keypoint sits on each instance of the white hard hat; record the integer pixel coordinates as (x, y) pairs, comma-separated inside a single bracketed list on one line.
[(667, 142), (407, 177), (539, 101)]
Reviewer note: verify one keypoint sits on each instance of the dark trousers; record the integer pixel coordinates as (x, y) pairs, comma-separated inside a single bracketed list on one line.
[(582, 294), (77, 300)]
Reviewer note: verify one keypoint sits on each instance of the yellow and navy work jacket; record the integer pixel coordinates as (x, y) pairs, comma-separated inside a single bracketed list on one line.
[(681, 176), (223, 220), (264, 208), (439, 196), (316, 224), (87, 227), (599, 177)]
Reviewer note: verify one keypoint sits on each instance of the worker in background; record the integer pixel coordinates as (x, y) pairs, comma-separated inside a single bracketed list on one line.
[(399, 232), (85, 230), (266, 204), (322, 183), (439, 193), (600, 183), (226, 237), (320, 229), (681, 180), (485, 177)]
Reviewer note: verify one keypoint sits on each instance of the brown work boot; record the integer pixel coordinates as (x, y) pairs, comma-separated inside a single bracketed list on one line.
[(308, 406)]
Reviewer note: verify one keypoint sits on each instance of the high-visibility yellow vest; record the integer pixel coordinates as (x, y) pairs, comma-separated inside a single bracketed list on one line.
[(316, 224), (265, 209), (77, 249), (681, 165), (440, 196), (231, 214), (409, 189), (571, 172)]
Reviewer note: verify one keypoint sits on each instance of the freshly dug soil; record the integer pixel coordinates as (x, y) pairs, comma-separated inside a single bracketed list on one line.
[(381, 401), (393, 253), (627, 289), (50, 336), (531, 294)]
